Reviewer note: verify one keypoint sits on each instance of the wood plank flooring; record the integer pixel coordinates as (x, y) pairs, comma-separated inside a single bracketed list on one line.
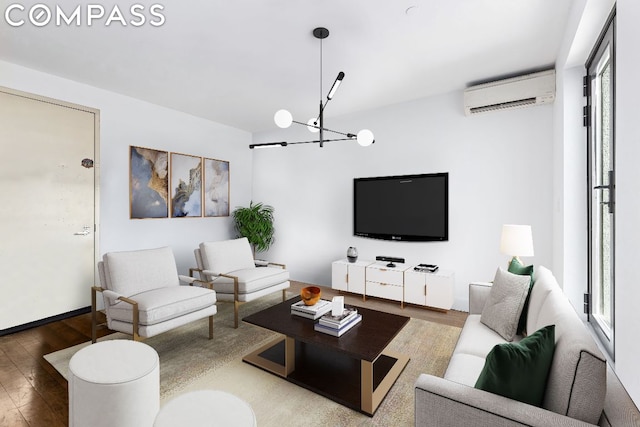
[(33, 393)]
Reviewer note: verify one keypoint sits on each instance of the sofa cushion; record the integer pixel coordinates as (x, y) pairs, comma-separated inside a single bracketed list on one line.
[(227, 255), (477, 339), (464, 368), (577, 379), (543, 283), (516, 267), (251, 280), (132, 272), (504, 305), (160, 305), (519, 371)]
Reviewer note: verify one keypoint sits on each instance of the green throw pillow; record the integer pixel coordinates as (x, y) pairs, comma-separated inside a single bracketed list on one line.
[(519, 370), (516, 267)]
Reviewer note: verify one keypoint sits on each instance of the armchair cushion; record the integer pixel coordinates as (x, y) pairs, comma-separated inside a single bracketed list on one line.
[(164, 304), (227, 255), (132, 272), (251, 280)]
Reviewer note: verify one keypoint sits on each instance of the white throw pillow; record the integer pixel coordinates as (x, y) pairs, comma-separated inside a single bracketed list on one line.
[(504, 305)]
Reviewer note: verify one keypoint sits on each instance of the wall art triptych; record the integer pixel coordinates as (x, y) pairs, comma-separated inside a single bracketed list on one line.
[(173, 185)]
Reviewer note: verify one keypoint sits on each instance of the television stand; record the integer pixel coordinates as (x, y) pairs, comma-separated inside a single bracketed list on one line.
[(399, 282)]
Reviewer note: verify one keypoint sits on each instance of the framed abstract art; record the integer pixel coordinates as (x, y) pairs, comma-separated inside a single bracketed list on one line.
[(186, 186), (148, 183), (216, 187)]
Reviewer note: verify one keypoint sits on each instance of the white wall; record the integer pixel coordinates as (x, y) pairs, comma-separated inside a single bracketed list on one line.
[(499, 168), (126, 121), (570, 204), (627, 315)]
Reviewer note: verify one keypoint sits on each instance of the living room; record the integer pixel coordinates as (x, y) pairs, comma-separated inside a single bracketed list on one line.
[(519, 166)]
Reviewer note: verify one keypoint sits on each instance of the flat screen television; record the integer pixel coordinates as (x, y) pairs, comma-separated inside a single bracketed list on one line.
[(405, 208)]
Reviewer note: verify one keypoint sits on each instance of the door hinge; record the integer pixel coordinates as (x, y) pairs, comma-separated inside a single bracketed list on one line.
[(587, 304), (585, 85), (586, 116)]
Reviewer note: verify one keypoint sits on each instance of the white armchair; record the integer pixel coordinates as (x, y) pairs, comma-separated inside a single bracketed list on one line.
[(229, 266), (143, 296)]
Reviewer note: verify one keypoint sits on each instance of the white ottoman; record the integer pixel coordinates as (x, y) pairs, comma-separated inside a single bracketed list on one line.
[(209, 408), (114, 383)]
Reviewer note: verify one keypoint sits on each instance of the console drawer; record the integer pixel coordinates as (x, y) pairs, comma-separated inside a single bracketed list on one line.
[(383, 275), (382, 290)]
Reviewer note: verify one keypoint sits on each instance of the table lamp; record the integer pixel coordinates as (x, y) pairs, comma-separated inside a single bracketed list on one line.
[(516, 241)]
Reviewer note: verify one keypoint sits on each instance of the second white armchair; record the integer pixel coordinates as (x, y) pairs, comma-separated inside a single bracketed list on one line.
[(230, 267)]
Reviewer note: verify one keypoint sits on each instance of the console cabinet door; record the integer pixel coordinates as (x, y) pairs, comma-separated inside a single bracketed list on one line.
[(356, 279), (415, 289), (440, 291), (339, 276)]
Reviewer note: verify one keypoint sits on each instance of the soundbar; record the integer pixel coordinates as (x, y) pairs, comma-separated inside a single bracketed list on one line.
[(391, 260)]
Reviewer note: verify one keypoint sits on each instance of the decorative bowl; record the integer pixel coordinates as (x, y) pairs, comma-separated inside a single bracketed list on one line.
[(310, 295)]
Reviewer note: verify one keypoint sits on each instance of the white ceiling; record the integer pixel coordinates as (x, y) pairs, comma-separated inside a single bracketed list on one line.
[(238, 61)]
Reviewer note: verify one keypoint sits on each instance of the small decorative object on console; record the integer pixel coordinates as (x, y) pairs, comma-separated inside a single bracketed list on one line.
[(426, 268), (310, 294), (352, 254), (391, 260)]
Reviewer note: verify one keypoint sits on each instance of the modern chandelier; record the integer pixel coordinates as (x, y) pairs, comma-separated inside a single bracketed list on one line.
[(284, 119)]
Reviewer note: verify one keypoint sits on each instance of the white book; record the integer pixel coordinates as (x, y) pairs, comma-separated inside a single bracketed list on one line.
[(338, 332), (313, 316), (322, 306), (337, 321)]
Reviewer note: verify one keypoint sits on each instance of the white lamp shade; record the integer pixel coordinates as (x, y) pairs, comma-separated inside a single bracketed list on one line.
[(283, 119), (365, 137), (516, 240), (312, 125)]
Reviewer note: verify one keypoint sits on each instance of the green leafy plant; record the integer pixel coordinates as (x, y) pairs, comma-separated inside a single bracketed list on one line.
[(256, 224)]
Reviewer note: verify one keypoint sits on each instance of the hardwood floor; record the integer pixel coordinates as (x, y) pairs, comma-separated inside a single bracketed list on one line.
[(33, 393)]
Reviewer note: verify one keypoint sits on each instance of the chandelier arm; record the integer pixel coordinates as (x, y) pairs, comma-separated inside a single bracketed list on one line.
[(347, 134), (317, 141)]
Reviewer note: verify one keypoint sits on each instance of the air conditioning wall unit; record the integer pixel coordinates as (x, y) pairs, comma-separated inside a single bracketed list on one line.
[(515, 92)]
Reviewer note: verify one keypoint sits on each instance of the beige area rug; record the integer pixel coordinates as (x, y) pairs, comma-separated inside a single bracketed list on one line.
[(189, 361)]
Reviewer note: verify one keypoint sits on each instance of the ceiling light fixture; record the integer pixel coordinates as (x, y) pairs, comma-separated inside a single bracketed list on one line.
[(284, 119)]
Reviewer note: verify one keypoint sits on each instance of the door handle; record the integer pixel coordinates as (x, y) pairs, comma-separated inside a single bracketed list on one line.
[(612, 193), (85, 231)]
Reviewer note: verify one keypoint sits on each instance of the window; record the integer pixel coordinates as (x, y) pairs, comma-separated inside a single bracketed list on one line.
[(599, 118)]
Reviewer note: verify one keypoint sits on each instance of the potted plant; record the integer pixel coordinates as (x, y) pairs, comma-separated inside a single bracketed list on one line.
[(256, 224)]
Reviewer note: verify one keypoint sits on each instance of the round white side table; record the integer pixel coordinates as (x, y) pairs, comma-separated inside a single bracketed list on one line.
[(114, 383), (209, 408)]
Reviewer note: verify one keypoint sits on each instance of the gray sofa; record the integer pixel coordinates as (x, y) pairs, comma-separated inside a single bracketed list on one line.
[(576, 385)]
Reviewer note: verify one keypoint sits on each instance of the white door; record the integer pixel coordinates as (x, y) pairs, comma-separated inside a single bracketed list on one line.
[(47, 218)]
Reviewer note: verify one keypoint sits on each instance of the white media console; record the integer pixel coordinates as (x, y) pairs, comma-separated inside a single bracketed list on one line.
[(400, 283)]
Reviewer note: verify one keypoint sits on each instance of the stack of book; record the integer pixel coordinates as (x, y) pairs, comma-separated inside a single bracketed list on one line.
[(311, 311), (338, 325)]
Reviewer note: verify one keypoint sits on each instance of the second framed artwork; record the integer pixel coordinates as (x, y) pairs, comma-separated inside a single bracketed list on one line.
[(186, 185)]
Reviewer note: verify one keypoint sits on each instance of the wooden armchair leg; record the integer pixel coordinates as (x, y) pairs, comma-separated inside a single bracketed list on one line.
[(210, 327), (284, 295), (236, 305)]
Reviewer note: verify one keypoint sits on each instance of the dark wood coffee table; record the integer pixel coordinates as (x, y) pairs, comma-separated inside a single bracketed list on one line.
[(354, 370)]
